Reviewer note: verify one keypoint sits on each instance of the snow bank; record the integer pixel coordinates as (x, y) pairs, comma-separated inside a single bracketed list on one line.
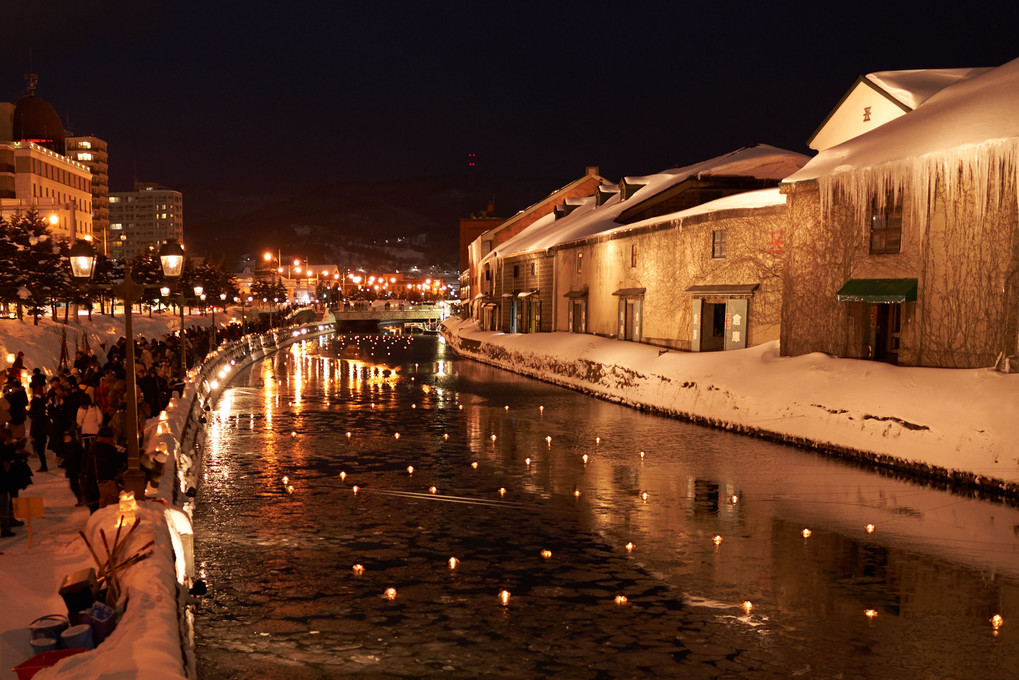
[(951, 424)]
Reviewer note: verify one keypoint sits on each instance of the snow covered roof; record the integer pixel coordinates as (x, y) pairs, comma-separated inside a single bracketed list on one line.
[(915, 86), (761, 161), (975, 110)]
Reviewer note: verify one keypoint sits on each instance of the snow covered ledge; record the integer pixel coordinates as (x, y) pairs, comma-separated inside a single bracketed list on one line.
[(154, 637), (954, 426)]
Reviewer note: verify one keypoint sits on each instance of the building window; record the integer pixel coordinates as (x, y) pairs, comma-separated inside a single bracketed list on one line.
[(886, 225), (718, 240), (516, 271), (534, 269), (580, 263), (633, 255)]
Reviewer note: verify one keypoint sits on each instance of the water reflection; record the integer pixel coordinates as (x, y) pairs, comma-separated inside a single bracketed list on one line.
[(685, 524)]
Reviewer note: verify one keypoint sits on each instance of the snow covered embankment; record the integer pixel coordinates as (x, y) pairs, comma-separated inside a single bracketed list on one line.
[(154, 637), (949, 425)]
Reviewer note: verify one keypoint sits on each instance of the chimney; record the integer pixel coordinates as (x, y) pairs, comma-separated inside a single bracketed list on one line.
[(591, 170), (491, 207)]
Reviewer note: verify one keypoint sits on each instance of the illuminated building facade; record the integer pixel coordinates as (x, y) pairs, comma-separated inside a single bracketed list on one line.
[(91, 152), (144, 219)]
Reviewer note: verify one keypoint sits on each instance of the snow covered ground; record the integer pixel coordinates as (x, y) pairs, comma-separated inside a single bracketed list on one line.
[(951, 423)]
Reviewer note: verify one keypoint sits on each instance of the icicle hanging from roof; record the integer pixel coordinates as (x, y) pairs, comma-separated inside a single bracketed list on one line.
[(993, 164)]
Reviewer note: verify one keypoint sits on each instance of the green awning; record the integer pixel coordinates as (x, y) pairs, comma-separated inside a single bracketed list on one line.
[(878, 290)]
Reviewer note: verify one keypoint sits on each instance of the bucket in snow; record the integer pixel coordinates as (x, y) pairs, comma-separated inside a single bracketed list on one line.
[(43, 644), (48, 626), (77, 637), (102, 618)]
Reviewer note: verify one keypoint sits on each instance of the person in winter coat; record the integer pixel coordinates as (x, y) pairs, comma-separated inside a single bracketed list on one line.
[(101, 466), (40, 425), (89, 420), (18, 400), (74, 459)]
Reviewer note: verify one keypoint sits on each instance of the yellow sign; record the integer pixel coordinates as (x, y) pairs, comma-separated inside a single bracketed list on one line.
[(28, 507)]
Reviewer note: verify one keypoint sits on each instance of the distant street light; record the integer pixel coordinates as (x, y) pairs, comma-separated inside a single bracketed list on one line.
[(171, 259)]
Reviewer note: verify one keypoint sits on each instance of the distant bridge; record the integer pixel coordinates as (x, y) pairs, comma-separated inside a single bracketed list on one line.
[(364, 317)]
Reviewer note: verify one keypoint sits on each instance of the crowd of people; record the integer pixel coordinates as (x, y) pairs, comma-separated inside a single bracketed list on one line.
[(76, 418)]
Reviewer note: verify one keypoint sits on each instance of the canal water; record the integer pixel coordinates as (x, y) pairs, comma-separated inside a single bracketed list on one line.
[(590, 540)]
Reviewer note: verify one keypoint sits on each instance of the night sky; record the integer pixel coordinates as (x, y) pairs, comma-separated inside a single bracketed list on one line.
[(266, 97)]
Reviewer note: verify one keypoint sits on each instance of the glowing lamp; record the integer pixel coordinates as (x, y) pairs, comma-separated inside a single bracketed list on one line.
[(507, 408), (584, 458), (410, 469), (453, 562), (597, 440), (644, 496), (717, 540), (527, 462), (621, 600), (355, 489), (83, 260), (504, 597), (747, 606), (445, 437), (869, 528), (390, 593), (348, 435), (541, 410), (397, 435), (546, 554), (502, 491), (576, 493), (171, 259), (343, 475), (493, 437), (870, 613), (432, 490), (734, 499), (474, 464), (997, 622), (629, 547), (286, 480), (642, 455), (54, 219), (806, 533)]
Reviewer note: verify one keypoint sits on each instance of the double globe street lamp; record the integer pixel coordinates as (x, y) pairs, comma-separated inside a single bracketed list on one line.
[(171, 259)]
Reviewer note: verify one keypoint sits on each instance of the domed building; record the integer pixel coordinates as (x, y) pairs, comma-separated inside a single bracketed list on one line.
[(35, 120), (34, 172)]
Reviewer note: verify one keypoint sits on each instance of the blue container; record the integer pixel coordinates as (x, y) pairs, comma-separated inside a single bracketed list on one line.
[(77, 637), (43, 644)]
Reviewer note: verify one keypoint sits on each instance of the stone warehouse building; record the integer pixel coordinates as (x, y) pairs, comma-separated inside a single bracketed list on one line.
[(672, 259), (904, 241)]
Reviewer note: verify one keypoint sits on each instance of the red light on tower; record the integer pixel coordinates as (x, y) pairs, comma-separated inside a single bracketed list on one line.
[(472, 160)]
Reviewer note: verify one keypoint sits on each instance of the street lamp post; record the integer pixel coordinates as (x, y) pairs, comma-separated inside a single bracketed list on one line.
[(82, 257)]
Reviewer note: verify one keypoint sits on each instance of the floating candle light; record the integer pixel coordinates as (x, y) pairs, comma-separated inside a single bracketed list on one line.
[(630, 547), (541, 410), (348, 435), (527, 462), (290, 489), (397, 435), (747, 607), (410, 469), (597, 440), (493, 437), (621, 600), (285, 480), (869, 528), (432, 489), (584, 458), (502, 491), (390, 593), (445, 437), (293, 434), (806, 533), (642, 455), (870, 613), (358, 569), (504, 597), (576, 493), (453, 562), (734, 499), (546, 553), (717, 540), (474, 464), (506, 407), (997, 622), (343, 475), (355, 489), (644, 496)]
